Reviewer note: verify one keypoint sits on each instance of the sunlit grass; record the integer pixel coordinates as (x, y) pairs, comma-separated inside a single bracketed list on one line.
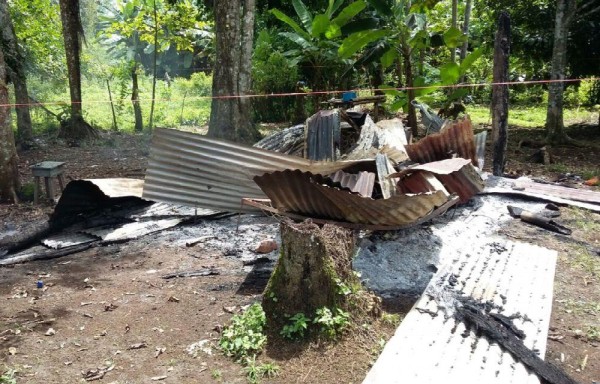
[(532, 116)]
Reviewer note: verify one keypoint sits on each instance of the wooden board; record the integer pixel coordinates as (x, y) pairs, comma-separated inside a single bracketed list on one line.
[(433, 349)]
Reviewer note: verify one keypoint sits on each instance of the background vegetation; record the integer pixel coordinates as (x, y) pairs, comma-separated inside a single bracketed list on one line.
[(299, 47)]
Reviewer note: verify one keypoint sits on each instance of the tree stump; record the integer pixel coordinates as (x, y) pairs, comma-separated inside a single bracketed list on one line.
[(314, 270)]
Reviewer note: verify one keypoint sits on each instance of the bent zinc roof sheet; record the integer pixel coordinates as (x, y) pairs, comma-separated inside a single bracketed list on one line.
[(302, 193)]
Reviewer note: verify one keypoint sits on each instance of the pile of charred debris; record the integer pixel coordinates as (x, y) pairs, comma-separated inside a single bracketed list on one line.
[(340, 167)]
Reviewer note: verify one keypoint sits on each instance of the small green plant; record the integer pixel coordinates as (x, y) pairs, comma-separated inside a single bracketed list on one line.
[(392, 319), (332, 323), (8, 377), (298, 324), (342, 288), (244, 337), (255, 372), (592, 333), (216, 374)]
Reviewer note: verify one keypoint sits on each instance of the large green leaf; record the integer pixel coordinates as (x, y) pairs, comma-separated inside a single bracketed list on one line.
[(320, 25), (449, 73), (383, 7), (458, 94), (334, 5), (454, 37), (303, 13), (349, 12), (388, 58), (359, 40), (333, 31), (289, 21), (423, 88), (470, 59), (419, 40), (360, 25), (416, 21), (423, 5), (296, 38)]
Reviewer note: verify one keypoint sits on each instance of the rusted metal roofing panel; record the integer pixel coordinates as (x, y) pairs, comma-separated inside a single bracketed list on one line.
[(194, 170), (299, 192), (456, 140), (457, 175), (361, 182)]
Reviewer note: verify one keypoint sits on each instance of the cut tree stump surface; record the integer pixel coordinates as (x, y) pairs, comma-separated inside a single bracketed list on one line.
[(431, 346)]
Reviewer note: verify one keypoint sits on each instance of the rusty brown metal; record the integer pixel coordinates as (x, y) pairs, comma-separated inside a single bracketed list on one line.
[(301, 193), (457, 175), (455, 140)]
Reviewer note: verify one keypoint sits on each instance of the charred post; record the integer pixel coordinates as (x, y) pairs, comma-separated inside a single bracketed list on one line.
[(500, 94)]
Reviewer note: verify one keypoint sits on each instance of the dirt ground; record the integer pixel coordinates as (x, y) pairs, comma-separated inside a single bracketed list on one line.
[(108, 310)]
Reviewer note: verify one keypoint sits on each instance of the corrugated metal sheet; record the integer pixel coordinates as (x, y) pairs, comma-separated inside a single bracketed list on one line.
[(194, 170), (132, 230), (437, 348), (64, 240), (323, 136), (299, 192), (457, 175), (558, 191), (361, 182), (480, 139), (389, 138), (455, 140), (505, 186), (119, 187)]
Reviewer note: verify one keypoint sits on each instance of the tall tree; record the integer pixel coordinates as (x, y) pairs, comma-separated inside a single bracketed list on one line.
[(16, 72), (75, 127), (566, 12), (230, 115), (9, 174)]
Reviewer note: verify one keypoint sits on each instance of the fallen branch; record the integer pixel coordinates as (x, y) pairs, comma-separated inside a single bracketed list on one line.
[(201, 272)]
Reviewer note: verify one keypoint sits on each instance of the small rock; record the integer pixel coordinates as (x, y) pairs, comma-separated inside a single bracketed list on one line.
[(138, 345), (266, 246), (173, 299), (158, 378), (50, 332), (12, 351)]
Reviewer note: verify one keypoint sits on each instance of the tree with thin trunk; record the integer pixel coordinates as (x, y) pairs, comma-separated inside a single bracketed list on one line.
[(454, 24), (16, 72), (566, 12), (230, 116), (9, 173), (75, 128), (465, 30), (154, 65)]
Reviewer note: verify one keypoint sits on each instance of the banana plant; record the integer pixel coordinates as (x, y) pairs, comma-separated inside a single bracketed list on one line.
[(317, 38)]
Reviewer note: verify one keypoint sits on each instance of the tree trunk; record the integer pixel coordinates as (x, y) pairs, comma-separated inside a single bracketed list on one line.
[(555, 129), (230, 116), (500, 94), (71, 27), (154, 65), (465, 29), (412, 112), (314, 271), (75, 128), (135, 100), (454, 24), (9, 173), (16, 71)]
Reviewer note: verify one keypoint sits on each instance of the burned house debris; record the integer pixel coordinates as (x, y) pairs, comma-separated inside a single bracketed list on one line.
[(360, 187)]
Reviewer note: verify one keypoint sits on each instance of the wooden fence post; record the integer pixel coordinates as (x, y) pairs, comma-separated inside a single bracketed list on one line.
[(500, 94)]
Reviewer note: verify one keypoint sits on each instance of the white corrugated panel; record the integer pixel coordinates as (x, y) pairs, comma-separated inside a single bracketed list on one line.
[(428, 349)]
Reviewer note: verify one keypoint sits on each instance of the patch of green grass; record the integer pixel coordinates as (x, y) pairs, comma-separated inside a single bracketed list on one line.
[(528, 117), (557, 168), (9, 377), (580, 307), (592, 333), (255, 372), (216, 374)]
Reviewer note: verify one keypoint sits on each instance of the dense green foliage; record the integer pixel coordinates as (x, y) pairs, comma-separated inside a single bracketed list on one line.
[(300, 46)]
